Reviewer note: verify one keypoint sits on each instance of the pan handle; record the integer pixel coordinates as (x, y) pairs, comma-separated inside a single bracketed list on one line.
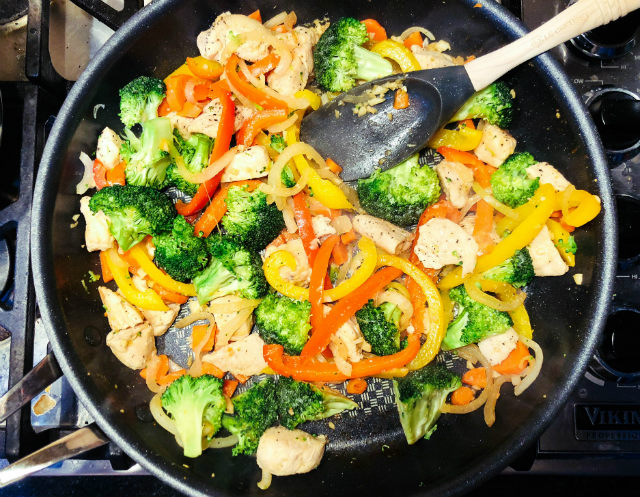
[(36, 380), (75, 443)]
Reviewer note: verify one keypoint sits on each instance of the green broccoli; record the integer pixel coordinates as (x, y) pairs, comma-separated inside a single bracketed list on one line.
[(379, 326), (232, 270), (474, 321), (180, 253), (517, 270), (134, 212), (299, 402), (140, 99), (254, 411), (510, 183), (195, 152), (279, 144), (419, 398), (146, 159), (569, 246), (249, 219), (494, 103), (340, 60), (196, 405), (401, 193), (284, 321)]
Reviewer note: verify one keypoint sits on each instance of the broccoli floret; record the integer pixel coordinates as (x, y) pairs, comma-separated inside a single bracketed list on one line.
[(249, 219), (299, 402), (510, 183), (284, 321), (195, 152), (232, 269), (400, 194), (379, 326), (196, 405), (254, 411), (140, 99), (517, 270), (419, 398), (569, 246), (340, 60), (180, 253), (134, 212), (474, 322), (146, 159), (279, 144), (494, 103)]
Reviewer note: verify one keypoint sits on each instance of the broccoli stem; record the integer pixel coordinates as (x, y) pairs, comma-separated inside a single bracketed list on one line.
[(370, 65)]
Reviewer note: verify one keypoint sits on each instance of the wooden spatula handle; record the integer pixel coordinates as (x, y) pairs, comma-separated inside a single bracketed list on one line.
[(582, 16)]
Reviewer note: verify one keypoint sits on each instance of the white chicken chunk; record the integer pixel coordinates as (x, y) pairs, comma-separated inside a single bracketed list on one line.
[(347, 345), (547, 261), (442, 242), (96, 234), (322, 226), (496, 145), (456, 180), (207, 122), (296, 76), (302, 272), (227, 333), (283, 452), (431, 59), (120, 313), (387, 236), (226, 29), (243, 357), (161, 321), (133, 346), (549, 175), (248, 164), (496, 348), (108, 149)]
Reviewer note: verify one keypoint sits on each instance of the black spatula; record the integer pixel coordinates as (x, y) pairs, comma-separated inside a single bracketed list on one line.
[(360, 144)]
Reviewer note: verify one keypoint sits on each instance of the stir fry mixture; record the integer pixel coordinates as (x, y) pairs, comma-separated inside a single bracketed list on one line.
[(291, 281)]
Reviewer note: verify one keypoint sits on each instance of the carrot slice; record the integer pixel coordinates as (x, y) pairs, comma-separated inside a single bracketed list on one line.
[(197, 334), (516, 361), (462, 396), (256, 15), (333, 166), (476, 377), (229, 387), (356, 386), (414, 38), (340, 254), (348, 237), (375, 30), (401, 100), (208, 368)]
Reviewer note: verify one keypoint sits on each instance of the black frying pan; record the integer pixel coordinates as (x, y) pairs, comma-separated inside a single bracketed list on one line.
[(463, 451)]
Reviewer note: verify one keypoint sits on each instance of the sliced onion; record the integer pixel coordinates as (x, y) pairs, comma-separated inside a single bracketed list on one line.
[(153, 364), (290, 21), (96, 108), (265, 481), (326, 173), (472, 354), (407, 32), (275, 20), (193, 317), (535, 370), (403, 303), (155, 406), (352, 196), (289, 218), (277, 128), (210, 171), (262, 34), (493, 393), (87, 180), (223, 442), (284, 191), (223, 336), (490, 199), (237, 305), (469, 203)]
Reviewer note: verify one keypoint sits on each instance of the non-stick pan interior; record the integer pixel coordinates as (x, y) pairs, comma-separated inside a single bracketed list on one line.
[(367, 454)]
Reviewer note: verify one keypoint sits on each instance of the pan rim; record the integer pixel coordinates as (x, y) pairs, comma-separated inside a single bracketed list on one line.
[(44, 278)]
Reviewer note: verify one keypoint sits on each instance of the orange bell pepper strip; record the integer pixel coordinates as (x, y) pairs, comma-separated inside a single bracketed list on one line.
[(255, 15), (263, 66), (218, 208), (356, 386), (229, 387), (175, 91), (190, 109), (167, 295), (414, 38), (516, 361), (257, 122), (302, 216), (401, 100), (316, 283), (164, 108), (248, 90), (205, 68), (198, 334), (340, 254), (375, 30), (466, 158), (107, 276), (462, 396), (163, 367), (116, 176), (347, 307)]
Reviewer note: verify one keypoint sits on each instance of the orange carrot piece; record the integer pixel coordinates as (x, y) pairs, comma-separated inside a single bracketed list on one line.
[(476, 377), (414, 38), (348, 237), (198, 333), (116, 175), (516, 361), (229, 387), (340, 253), (208, 368), (256, 15), (333, 166), (241, 378), (469, 123), (462, 396), (171, 377), (356, 386), (401, 100), (375, 30), (106, 272)]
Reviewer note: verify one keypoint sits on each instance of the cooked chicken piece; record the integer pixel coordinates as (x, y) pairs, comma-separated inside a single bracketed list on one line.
[(456, 180), (181, 123), (161, 321), (283, 452), (96, 234), (132, 346), (108, 149), (120, 313), (431, 59), (347, 345), (322, 226), (496, 348), (226, 29), (442, 242), (248, 164), (243, 357), (385, 235), (207, 122), (296, 76), (496, 145), (342, 224), (227, 333), (548, 174), (547, 261), (302, 273), (468, 223)]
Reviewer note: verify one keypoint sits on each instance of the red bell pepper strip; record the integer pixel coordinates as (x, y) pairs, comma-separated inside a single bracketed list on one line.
[(257, 122), (99, 174), (302, 216), (248, 90), (316, 283), (347, 307)]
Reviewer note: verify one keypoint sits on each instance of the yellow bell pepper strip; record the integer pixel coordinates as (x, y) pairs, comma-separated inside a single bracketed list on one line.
[(309, 96), (183, 69), (462, 139), (393, 373), (587, 207), (521, 236), (398, 53), (323, 190), (147, 299), (509, 223), (162, 279), (282, 258), (437, 328), (521, 322), (561, 239)]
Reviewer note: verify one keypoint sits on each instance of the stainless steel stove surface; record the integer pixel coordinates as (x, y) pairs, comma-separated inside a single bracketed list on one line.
[(598, 432)]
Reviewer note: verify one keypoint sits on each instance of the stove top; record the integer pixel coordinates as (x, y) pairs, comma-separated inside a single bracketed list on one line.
[(597, 432)]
